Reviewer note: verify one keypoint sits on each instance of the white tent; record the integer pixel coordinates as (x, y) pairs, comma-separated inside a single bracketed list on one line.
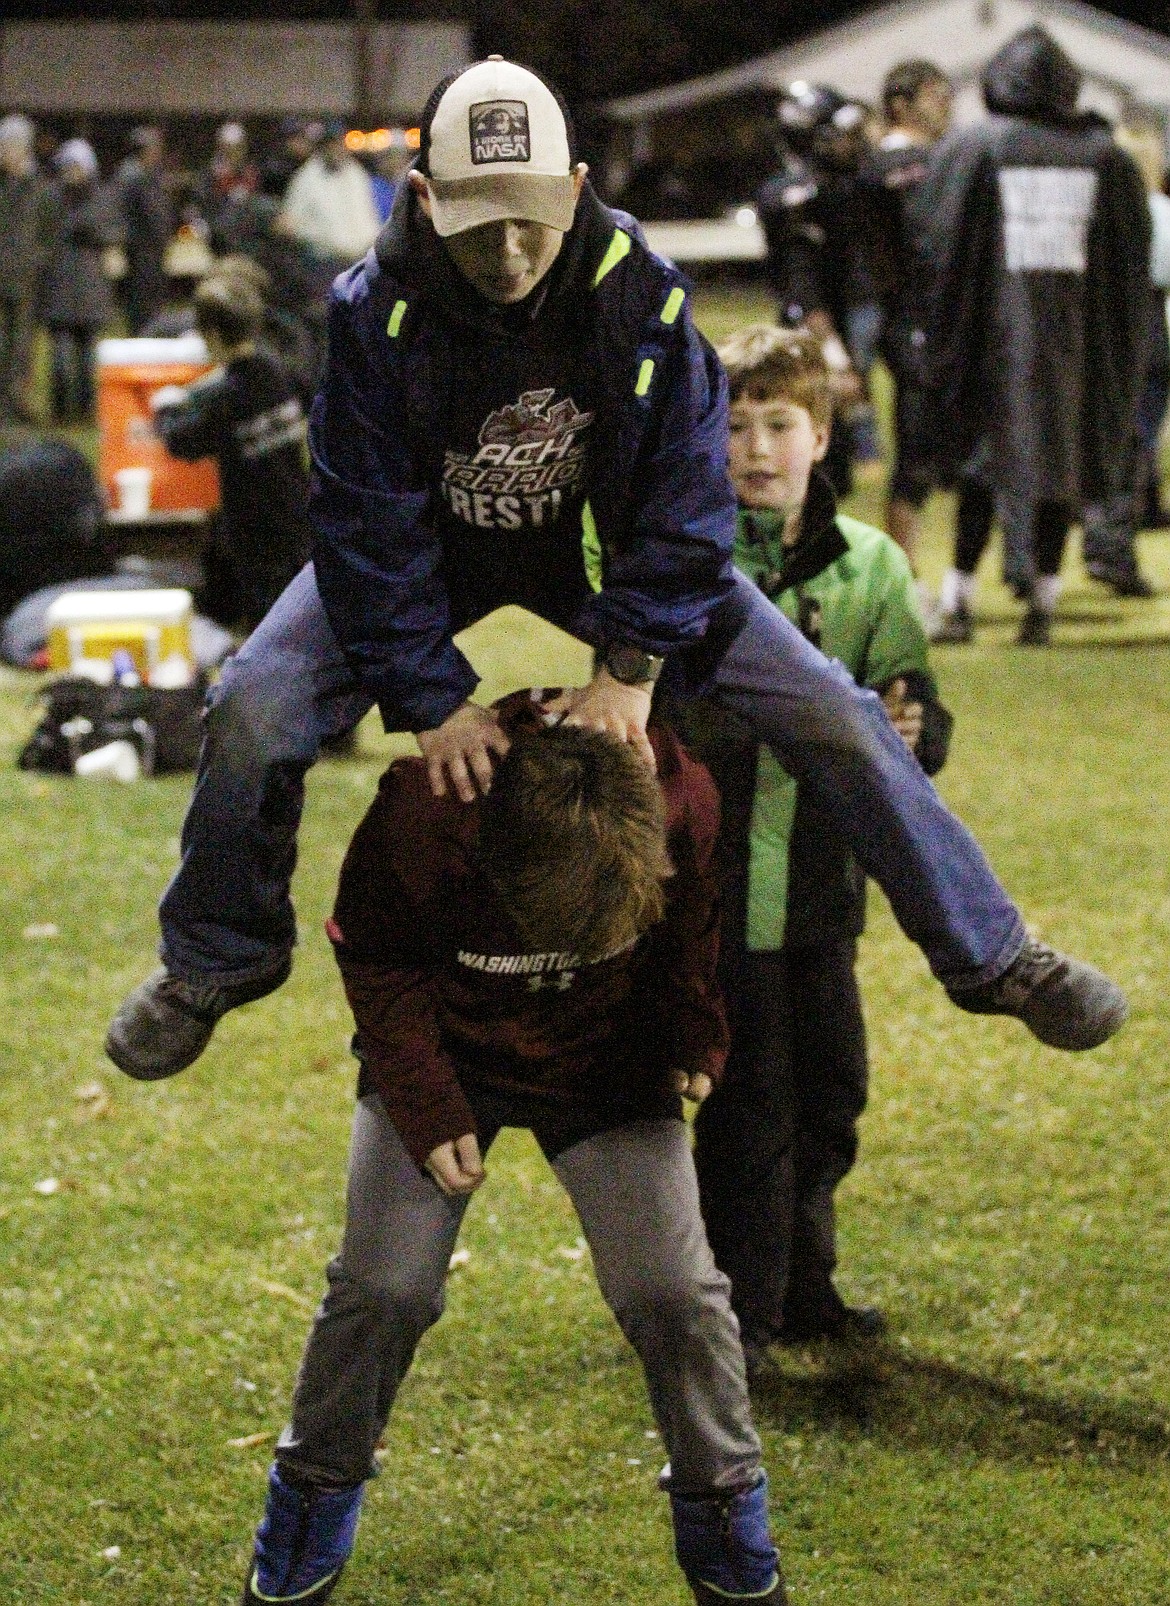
[(1125, 66)]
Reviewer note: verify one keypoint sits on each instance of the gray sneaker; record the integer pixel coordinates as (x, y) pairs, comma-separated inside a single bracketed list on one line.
[(1064, 1002), (165, 1024)]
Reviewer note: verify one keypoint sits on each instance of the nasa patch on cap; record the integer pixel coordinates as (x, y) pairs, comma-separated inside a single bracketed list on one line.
[(499, 132), (498, 148)]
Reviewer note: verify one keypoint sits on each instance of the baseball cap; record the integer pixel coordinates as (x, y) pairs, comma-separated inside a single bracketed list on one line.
[(498, 146)]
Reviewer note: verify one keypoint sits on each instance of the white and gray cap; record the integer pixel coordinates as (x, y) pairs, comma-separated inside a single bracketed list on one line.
[(498, 146)]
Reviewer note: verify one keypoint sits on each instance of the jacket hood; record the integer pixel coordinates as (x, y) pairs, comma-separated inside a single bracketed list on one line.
[(1032, 77), (409, 248)]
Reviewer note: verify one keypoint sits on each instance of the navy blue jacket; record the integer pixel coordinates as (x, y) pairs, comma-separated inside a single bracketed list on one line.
[(659, 520)]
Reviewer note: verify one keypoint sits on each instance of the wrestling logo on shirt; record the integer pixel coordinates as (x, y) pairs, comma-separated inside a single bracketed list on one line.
[(499, 132), (531, 455)]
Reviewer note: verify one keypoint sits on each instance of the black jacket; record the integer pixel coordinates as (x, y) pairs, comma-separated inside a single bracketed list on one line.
[(149, 221), (886, 186), (74, 290), (26, 230), (809, 214), (248, 416), (1034, 233)]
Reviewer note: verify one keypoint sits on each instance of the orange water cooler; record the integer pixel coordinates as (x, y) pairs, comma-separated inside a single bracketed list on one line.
[(128, 374)]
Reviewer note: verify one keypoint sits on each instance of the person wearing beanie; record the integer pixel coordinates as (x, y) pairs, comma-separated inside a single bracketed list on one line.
[(76, 296), (25, 231)]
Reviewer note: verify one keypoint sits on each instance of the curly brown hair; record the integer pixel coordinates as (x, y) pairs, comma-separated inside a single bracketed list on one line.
[(765, 362), (573, 835)]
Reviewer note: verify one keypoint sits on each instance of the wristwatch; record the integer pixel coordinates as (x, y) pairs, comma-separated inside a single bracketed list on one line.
[(632, 666)]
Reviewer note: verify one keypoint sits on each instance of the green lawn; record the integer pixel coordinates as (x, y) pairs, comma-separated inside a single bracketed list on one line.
[(1010, 1213)]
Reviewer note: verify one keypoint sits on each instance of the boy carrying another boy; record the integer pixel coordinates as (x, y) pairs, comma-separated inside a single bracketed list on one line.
[(542, 957), (247, 415), (781, 1131)]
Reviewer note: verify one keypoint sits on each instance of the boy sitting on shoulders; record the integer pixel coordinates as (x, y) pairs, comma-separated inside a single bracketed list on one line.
[(781, 1131)]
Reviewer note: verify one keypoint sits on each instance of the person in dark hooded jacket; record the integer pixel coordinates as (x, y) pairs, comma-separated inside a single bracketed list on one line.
[(149, 222), (1034, 230)]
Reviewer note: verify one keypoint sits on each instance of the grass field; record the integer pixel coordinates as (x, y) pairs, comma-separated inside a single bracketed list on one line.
[(1010, 1213)]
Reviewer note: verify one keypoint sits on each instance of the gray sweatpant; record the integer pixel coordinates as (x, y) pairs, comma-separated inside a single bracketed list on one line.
[(635, 1193)]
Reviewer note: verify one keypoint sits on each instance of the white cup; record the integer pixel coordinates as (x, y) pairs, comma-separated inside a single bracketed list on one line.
[(116, 761), (134, 491)]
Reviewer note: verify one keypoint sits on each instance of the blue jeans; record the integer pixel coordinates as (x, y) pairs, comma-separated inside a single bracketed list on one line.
[(227, 914)]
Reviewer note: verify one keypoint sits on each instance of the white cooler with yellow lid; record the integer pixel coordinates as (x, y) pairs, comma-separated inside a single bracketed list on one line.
[(86, 628)]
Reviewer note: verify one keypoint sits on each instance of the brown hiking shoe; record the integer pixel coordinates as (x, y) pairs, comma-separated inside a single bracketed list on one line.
[(1064, 1002), (165, 1023)]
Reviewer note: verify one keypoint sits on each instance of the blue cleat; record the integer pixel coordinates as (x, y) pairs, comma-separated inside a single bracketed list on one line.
[(725, 1549), (302, 1543)]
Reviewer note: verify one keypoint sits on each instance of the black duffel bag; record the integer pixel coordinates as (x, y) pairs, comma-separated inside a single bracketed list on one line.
[(165, 725)]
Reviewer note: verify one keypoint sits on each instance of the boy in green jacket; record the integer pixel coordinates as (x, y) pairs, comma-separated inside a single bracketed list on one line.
[(780, 1134)]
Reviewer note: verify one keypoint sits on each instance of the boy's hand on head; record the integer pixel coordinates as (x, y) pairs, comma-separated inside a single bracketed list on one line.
[(906, 716), (456, 1166), (460, 751), (608, 704), (695, 1087)]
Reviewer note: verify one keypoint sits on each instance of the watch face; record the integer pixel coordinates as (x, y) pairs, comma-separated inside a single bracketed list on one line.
[(632, 666)]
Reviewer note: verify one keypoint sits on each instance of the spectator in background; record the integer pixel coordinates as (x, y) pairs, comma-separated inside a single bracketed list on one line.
[(917, 99), (1147, 147), (290, 328), (816, 267), (1036, 236), (225, 188), (247, 415), (76, 297), (24, 237), (148, 221), (50, 519), (1111, 525), (330, 203), (298, 141)]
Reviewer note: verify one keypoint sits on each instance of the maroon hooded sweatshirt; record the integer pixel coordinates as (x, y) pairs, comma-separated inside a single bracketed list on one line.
[(448, 1002)]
